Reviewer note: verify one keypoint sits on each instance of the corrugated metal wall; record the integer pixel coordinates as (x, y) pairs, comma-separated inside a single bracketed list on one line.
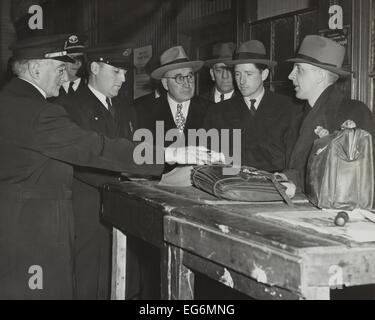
[(7, 33), (269, 8), (162, 29), (193, 9)]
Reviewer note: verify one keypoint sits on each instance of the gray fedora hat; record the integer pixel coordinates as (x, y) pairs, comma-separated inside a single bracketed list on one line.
[(323, 53), (175, 58), (221, 52), (252, 51)]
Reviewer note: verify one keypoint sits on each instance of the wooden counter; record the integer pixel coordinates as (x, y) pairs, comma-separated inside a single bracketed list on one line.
[(267, 251)]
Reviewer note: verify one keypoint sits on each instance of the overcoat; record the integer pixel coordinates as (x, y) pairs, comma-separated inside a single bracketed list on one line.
[(330, 111), (266, 137), (39, 147)]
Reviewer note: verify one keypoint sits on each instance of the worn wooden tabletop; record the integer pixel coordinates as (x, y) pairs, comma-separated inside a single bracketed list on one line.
[(291, 248)]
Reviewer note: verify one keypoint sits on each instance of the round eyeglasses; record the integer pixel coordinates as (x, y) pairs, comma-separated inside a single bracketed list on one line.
[(179, 78)]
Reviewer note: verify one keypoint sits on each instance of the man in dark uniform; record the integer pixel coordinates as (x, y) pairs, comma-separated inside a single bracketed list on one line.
[(40, 145), (220, 73), (96, 107), (74, 45), (263, 117)]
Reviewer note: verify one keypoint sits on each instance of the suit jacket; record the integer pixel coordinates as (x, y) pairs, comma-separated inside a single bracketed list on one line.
[(266, 137), (330, 111), (40, 145), (160, 110), (210, 95)]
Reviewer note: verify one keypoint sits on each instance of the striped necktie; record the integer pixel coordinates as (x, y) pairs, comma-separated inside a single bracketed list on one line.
[(180, 118)]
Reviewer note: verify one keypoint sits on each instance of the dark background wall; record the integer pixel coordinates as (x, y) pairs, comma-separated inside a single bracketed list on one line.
[(197, 25)]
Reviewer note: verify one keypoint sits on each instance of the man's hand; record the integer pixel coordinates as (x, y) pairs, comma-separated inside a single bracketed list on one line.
[(192, 155), (290, 186)]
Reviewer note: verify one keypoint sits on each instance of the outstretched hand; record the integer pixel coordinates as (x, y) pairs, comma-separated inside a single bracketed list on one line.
[(192, 155)]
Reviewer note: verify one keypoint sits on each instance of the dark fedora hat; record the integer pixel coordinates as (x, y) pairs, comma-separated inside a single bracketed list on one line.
[(252, 51), (41, 47), (323, 53), (221, 52), (172, 59)]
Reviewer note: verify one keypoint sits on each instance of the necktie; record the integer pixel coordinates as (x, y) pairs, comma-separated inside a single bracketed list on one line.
[(111, 109), (180, 118), (222, 97), (252, 107), (70, 89)]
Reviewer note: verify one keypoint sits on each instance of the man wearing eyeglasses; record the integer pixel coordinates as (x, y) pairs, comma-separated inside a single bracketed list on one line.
[(220, 73), (179, 108)]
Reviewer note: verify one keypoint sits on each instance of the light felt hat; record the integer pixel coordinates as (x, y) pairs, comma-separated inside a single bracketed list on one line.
[(175, 58), (252, 51), (221, 52), (323, 53)]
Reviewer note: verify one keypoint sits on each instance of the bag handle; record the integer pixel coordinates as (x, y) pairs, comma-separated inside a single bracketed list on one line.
[(280, 190)]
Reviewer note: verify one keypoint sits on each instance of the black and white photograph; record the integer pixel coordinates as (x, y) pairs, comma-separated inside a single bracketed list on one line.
[(193, 153)]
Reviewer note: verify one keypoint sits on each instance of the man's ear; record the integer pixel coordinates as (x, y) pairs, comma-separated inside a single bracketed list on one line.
[(94, 67), (265, 74), (165, 84), (322, 75), (34, 69), (212, 74)]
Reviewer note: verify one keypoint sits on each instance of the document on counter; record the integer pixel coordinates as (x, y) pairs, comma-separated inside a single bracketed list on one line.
[(178, 177)]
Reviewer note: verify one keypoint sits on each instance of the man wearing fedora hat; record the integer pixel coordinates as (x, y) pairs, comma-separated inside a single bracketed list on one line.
[(179, 108), (220, 73), (263, 117), (317, 67), (40, 145)]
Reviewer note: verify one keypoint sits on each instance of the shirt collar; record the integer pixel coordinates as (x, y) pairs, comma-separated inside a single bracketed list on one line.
[(102, 98), (76, 83), (173, 106), (34, 85), (258, 99), (217, 95)]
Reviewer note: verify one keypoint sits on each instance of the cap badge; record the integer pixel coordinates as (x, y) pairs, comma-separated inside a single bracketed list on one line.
[(73, 39), (127, 52)]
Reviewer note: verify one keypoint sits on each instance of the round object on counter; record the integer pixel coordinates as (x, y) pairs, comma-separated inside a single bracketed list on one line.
[(341, 219)]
